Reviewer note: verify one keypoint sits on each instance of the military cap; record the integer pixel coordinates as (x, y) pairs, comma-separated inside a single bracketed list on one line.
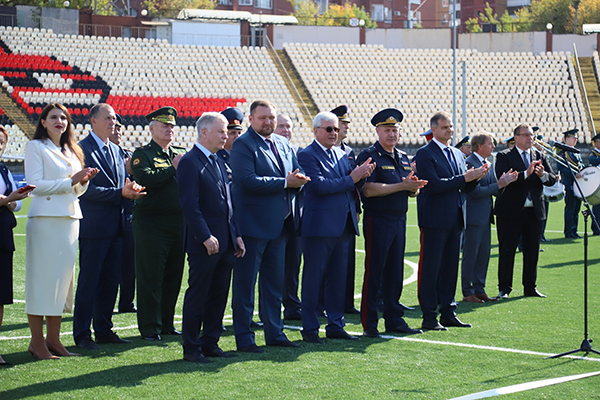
[(464, 142), (510, 140), (234, 118), (428, 134), (165, 115), (119, 120), (596, 138), (342, 113), (387, 117), (535, 128), (571, 133)]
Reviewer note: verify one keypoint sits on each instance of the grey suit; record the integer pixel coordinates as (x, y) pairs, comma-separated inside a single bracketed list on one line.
[(477, 235)]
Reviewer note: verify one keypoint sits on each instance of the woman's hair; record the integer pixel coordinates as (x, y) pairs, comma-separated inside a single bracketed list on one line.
[(67, 139)]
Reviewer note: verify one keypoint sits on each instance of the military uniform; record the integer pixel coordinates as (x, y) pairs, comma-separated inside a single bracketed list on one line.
[(595, 161), (384, 228), (158, 234), (572, 202)]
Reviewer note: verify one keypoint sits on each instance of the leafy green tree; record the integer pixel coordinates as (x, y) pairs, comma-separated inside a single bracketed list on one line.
[(504, 24), (307, 13), (541, 12), (170, 8)]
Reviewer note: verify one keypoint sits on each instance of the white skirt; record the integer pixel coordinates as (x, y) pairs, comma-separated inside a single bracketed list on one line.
[(50, 265)]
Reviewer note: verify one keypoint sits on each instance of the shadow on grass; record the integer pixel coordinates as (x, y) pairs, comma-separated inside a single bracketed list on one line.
[(593, 261)]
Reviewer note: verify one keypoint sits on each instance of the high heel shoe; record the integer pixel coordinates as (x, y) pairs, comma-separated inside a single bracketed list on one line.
[(37, 356), (58, 353)]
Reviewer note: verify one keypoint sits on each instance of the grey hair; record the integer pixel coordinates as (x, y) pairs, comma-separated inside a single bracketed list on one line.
[(324, 116), (207, 120)]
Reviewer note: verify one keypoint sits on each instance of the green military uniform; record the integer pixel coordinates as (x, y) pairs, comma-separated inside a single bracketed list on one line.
[(158, 235)]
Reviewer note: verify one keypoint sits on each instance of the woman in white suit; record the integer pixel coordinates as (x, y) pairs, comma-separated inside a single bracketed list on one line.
[(53, 163)]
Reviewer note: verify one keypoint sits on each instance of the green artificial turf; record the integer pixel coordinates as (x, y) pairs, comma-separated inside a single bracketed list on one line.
[(434, 365)]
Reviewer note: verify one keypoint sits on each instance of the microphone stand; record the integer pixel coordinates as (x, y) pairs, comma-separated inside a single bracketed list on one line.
[(586, 345)]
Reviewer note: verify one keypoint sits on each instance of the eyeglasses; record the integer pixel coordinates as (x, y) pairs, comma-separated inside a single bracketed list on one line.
[(525, 134), (329, 129)]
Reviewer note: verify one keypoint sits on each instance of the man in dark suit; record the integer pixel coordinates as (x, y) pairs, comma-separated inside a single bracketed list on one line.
[(520, 210), (211, 239), (234, 128), (101, 232), (293, 249), (441, 212), (328, 224), (266, 178), (477, 235), (572, 202)]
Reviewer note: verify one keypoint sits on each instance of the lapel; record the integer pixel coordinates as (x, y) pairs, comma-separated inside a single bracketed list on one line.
[(98, 155), (516, 154), (56, 151), (264, 147), (207, 163), (4, 172), (325, 158), (442, 159)]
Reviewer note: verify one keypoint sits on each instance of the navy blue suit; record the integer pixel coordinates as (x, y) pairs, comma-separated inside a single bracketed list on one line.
[(100, 242), (127, 283), (327, 227), (207, 211), (441, 210), (477, 238), (263, 206)]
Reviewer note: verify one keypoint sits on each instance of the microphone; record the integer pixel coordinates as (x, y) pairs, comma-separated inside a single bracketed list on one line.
[(564, 147)]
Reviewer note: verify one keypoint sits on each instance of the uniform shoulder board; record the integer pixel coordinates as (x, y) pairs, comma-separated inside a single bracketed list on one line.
[(146, 146), (370, 149), (401, 152), (178, 147)]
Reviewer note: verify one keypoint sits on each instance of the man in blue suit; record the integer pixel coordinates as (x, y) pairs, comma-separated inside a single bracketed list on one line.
[(480, 204), (266, 178), (441, 209), (329, 222), (101, 232), (211, 239)]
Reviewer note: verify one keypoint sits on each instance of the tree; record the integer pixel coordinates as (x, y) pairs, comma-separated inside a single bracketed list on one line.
[(589, 13), (542, 12), (171, 8), (505, 24), (307, 13)]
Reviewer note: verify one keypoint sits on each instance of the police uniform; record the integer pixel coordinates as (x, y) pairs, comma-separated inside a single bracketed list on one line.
[(595, 161), (343, 116), (158, 234), (572, 202), (234, 121), (384, 228)]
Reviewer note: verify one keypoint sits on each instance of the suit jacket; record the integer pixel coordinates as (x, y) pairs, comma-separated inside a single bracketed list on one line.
[(259, 197), (102, 204), (50, 170), (480, 203), (205, 201), (437, 202), (512, 198), (7, 217), (329, 196)]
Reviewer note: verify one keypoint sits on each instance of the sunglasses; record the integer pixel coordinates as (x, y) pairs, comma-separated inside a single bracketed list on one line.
[(329, 129)]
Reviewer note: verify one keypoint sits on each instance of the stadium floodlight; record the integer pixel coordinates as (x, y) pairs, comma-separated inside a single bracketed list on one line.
[(549, 26)]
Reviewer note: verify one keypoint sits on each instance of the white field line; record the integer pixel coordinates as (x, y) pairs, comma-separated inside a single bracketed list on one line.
[(525, 386)]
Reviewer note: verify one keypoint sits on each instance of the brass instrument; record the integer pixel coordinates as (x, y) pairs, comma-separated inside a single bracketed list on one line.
[(549, 151)]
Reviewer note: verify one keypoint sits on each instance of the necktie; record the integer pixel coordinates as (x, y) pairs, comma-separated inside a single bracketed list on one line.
[(525, 159), (213, 160), (276, 153), (109, 158), (451, 159)]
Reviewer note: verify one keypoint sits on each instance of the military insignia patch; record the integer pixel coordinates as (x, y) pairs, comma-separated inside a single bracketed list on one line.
[(136, 161)]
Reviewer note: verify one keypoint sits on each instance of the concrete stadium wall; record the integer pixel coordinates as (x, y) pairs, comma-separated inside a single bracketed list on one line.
[(500, 42), (410, 38), (314, 34), (205, 33), (585, 44)]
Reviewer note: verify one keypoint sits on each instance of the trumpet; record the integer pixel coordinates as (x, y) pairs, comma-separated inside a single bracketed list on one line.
[(549, 151)]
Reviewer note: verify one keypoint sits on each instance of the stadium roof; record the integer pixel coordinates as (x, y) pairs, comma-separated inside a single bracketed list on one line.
[(222, 15)]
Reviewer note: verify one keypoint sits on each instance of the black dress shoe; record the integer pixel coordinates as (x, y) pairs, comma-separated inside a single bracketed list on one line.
[(253, 348), (131, 309), (502, 295), (533, 293), (153, 337), (406, 307), (341, 335), (5, 364), (372, 333), (572, 236), (112, 338), (223, 329), (256, 325), (314, 338), (433, 326), (293, 317), (88, 344), (284, 343), (403, 329), (352, 310), (218, 352), (173, 332), (196, 358), (454, 321), (544, 240)]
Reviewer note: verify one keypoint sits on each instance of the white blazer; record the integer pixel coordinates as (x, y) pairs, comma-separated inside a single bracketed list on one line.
[(51, 170)]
